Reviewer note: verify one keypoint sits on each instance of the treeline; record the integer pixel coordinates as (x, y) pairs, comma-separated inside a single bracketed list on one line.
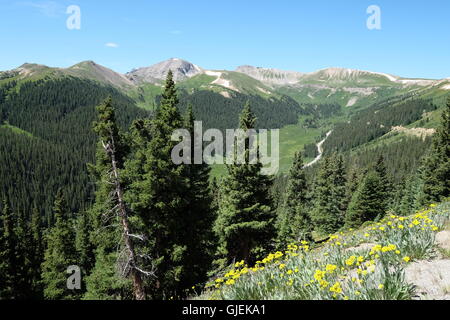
[(159, 230), (57, 115), (316, 113), (348, 190), (217, 111), (375, 122), (402, 157)]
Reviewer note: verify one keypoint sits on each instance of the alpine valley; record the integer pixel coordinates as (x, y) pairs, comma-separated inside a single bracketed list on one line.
[(52, 109), (79, 144)]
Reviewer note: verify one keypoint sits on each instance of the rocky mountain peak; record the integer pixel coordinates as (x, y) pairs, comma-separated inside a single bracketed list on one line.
[(181, 69)]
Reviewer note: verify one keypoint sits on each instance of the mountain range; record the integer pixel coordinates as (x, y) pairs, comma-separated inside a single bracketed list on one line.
[(46, 115), (347, 87)]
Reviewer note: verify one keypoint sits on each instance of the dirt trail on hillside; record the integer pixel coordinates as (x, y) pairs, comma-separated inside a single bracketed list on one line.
[(320, 149)]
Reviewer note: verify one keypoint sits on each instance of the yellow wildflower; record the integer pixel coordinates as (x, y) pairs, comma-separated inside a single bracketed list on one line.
[(330, 268), (336, 288), (230, 282)]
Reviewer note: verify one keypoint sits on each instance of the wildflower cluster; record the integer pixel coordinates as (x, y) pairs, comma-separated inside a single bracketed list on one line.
[(358, 264)]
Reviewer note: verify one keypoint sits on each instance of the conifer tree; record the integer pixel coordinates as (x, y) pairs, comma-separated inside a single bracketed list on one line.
[(436, 170), (326, 215), (37, 252), (158, 196), (353, 181), (385, 184), (245, 223), (83, 244), (338, 185), (367, 203), (198, 217), (409, 202), (60, 254), (24, 266), (116, 257), (294, 222), (215, 189), (8, 255)]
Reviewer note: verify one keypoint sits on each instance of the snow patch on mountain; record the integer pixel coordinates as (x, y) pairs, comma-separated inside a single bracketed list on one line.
[(213, 73)]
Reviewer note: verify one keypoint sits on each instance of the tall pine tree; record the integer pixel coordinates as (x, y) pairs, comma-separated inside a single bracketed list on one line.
[(327, 214), (367, 203), (9, 255), (385, 187), (117, 272), (37, 248), (339, 184), (245, 224), (436, 169), (60, 254), (158, 196), (294, 221), (198, 217)]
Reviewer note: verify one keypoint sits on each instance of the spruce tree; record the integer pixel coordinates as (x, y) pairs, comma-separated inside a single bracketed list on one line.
[(326, 215), (245, 223), (60, 254), (385, 185), (24, 266), (117, 272), (198, 217), (9, 255), (294, 222), (158, 196), (436, 169), (83, 244), (215, 190), (37, 248), (367, 203), (339, 184), (409, 202), (353, 181)]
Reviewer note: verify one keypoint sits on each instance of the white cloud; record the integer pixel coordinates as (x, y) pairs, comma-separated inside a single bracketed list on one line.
[(47, 8), (112, 45)]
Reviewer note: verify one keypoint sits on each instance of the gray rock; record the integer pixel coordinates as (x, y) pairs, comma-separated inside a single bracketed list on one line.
[(181, 69), (271, 76), (443, 239), (431, 278)]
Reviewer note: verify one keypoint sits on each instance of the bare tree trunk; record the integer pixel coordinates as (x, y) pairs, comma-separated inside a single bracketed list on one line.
[(138, 286)]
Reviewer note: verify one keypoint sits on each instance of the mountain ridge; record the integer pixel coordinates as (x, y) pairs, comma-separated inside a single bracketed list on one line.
[(190, 69), (347, 87)]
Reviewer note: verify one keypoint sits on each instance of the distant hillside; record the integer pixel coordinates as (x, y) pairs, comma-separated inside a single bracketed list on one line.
[(347, 87)]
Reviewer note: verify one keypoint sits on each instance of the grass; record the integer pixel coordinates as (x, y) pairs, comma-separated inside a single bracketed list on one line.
[(363, 264), (145, 95), (197, 82), (292, 139)]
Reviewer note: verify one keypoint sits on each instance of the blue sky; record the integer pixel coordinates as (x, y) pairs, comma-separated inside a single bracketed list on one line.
[(301, 35)]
